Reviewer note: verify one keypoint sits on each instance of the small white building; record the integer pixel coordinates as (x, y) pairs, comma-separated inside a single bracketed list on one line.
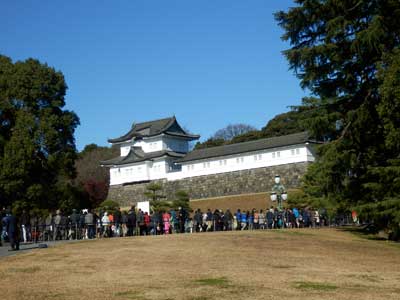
[(160, 150), (149, 151)]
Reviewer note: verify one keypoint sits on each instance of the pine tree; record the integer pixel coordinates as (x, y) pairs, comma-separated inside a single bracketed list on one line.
[(337, 48)]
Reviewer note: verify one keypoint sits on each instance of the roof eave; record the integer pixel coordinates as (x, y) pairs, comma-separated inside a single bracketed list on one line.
[(190, 137)]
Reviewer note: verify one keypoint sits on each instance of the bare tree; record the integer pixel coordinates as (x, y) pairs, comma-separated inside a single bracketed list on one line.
[(232, 130)]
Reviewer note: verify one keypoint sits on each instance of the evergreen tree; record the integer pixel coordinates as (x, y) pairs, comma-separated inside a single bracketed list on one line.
[(284, 124), (182, 200), (153, 192), (383, 186), (337, 48), (211, 142), (37, 146)]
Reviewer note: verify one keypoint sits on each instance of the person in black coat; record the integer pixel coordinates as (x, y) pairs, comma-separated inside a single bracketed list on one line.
[(131, 221), (11, 224), (182, 216), (198, 220)]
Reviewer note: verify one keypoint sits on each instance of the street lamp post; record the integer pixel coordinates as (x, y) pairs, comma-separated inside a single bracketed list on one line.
[(278, 192)]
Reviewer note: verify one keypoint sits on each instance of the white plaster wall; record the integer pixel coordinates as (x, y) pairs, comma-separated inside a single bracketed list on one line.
[(258, 159), (130, 173), (124, 149), (157, 144), (139, 172), (150, 145), (158, 169)]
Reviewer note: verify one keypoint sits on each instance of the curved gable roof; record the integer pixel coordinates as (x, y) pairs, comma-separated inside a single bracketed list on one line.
[(137, 155), (167, 126)]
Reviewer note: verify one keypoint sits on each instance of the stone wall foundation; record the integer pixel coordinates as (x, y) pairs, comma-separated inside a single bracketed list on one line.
[(216, 185)]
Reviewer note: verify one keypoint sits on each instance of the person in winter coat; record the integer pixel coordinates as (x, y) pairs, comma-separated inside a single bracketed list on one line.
[(89, 223), (49, 226), (204, 222), (131, 221), (228, 220), (243, 220), (238, 216), (182, 216), (74, 222), (209, 220), (197, 220), (166, 217), (11, 226), (250, 220), (124, 224), (147, 220), (140, 220), (270, 218), (106, 225), (57, 226), (261, 219), (256, 219), (25, 226)]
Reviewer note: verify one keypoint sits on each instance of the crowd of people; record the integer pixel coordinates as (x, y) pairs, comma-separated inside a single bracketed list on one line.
[(88, 224)]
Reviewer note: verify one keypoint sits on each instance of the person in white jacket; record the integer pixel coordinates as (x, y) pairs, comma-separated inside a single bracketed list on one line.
[(106, 224)]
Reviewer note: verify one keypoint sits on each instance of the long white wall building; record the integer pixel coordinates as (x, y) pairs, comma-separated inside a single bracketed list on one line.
[(160, 150)]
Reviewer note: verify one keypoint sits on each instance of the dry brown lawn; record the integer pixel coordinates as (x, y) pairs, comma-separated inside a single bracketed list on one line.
[(282, 264)]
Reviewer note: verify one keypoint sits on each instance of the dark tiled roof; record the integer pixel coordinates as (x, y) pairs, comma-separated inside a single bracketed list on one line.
[(136, 155), (261, 144), (147, 129)]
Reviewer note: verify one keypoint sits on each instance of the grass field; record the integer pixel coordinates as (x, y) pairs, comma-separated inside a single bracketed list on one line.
[(281, 264)]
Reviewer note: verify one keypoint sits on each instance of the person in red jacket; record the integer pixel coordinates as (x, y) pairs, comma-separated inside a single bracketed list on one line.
[(146, 222)]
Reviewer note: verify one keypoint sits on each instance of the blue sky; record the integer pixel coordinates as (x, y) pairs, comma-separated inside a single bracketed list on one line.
[(210, 63)]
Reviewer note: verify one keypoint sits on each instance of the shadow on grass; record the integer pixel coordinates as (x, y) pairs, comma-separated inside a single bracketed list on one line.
[(314, 286), (29, 270), (280, 266), (365, 277), (365, 232)]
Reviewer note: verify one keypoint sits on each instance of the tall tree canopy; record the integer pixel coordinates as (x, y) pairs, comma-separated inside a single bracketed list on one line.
[(37, 146), (337, 48), (283, 124)]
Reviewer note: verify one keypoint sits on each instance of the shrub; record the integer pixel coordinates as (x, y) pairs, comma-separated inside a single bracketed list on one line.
[(109, 205)]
